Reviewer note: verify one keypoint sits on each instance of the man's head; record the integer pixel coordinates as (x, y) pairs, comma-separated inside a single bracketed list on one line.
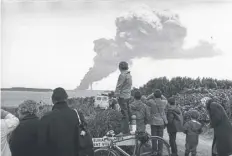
[(137, 95), (59, 95), (157, 93), (172, 101), (123, 66)]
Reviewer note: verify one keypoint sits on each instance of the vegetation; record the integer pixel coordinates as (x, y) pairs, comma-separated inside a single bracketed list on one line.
[(187, 92), (176, 85)]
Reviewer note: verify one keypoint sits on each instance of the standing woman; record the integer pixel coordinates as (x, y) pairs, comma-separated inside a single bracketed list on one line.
[(222, 142), (24, 139)]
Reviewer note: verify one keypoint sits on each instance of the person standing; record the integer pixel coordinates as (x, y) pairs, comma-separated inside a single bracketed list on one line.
[(175, 124), (8, 123), (24, 140), (192, 129), (123, 93), (222, 142), (140, 110), (59, 129), (158, 105)]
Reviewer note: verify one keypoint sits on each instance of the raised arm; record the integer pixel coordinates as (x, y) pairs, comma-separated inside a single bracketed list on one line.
[(146, 101), (163, 97)]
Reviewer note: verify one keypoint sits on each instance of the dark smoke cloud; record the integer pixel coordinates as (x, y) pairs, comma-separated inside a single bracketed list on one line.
[(140, 33)]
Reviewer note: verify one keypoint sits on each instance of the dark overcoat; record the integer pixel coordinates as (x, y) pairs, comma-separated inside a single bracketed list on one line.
[(222, 129), (59, 132), (24, 139)]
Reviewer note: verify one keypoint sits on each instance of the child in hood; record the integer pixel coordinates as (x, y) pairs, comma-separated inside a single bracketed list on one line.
[(175, 124), (192, 129), (140, 110)]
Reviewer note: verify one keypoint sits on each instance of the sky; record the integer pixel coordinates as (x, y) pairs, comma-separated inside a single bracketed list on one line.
[(50, 44)]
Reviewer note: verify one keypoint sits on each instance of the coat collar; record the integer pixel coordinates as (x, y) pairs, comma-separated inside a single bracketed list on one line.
[(30, 116), (125, 71), (60, 105)]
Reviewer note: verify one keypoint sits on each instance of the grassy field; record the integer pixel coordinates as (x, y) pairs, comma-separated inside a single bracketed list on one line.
[(14, 98)]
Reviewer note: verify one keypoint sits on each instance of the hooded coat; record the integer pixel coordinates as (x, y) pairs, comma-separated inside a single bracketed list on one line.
[(141, 111), (175, 119), (222, 129)]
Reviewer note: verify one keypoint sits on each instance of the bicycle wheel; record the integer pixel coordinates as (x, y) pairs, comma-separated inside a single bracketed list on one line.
[(105, 152), (156, 146)]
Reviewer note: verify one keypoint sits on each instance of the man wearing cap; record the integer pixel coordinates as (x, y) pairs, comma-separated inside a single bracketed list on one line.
[(58, 131), (123, 93)]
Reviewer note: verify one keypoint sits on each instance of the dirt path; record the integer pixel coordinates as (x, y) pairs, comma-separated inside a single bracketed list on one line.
[(204, 146)]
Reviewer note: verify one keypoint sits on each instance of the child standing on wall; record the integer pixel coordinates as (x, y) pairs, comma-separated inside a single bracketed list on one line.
[(192, 129)]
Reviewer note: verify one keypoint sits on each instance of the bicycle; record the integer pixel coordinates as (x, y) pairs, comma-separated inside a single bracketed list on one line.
[(141, 141)]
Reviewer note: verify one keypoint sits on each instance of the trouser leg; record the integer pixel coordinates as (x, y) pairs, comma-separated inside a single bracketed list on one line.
[(160, 144), (154, 142), (125, 115), (187, 149), (157, 131), (194, 150), (172, 142)]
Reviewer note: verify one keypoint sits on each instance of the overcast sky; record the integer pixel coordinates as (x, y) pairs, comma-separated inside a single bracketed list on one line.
[(46, 45)]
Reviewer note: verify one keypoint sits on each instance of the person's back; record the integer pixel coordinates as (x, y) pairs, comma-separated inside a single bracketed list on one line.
[(174, 115), (192, 129), (139, 109), (175, 124), (125, 90), (157, 107), (8, 123), (58, 133), (24, 140), (123, 93), (158, 103), (222, 126), (124, 84)]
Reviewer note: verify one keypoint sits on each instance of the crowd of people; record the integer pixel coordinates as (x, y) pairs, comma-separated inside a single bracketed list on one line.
[(57, 133), (161, 113), (63, 131)]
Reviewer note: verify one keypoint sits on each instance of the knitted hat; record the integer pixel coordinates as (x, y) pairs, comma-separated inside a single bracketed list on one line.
[(59, 95)]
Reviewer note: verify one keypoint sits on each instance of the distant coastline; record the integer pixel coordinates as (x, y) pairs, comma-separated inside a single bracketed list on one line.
[(27, 89)]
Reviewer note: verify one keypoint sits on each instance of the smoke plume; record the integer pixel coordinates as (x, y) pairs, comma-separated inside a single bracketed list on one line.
[(143, 32)]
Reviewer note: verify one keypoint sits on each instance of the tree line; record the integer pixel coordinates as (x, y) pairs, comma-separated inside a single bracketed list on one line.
[(176, 85)]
